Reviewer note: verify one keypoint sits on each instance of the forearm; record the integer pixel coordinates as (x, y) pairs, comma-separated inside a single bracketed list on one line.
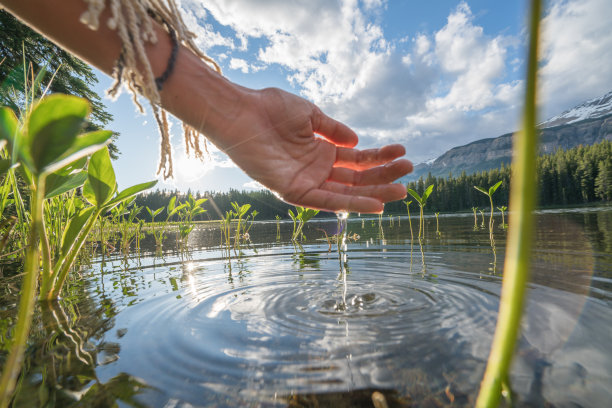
[(192, 83)]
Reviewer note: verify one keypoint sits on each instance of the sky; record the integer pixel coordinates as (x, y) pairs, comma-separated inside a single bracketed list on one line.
[(429, 75)]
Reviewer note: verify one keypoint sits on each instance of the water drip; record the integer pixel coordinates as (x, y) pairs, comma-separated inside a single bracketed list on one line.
[(342, 249)]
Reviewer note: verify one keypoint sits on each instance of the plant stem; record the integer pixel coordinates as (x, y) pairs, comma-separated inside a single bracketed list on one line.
[(410, 223), (491, 218), (62, 273), (520, 235), (47, 271), (12, 366), (421, 223)]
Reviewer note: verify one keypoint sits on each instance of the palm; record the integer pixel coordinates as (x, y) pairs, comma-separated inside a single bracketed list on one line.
[(283, 153)]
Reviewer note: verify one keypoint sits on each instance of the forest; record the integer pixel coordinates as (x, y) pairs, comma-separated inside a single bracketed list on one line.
[(578, 176)]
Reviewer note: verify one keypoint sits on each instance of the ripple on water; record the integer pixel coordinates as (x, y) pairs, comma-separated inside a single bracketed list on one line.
[(277, 329)]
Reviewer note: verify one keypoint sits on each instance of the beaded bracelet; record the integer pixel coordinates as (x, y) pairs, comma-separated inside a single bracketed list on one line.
[(159, 81)]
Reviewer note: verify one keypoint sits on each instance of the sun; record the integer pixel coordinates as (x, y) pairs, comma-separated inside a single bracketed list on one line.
[(189, 169)]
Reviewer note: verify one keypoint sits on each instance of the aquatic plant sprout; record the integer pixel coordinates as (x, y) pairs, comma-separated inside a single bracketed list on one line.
[(520, 235), (300, 218), (186, 212), (409, 219), (489, 194), (421, 200), (503, 210), (158, 233)]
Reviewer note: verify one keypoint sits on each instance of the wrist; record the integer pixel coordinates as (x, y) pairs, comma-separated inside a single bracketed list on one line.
[(204, 99)]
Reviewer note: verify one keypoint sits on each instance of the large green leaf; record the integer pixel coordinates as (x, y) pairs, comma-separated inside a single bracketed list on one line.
[(83, 145), (9, 125), (74, 227), (101, 177), (89, 194), (57, 184), (130, 192), (53, 125)]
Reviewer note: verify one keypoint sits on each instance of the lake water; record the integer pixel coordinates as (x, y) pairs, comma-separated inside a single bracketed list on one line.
[(282, 325)]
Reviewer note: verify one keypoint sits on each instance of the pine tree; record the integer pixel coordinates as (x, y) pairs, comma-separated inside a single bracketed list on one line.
[(603, 182), (73, 77)]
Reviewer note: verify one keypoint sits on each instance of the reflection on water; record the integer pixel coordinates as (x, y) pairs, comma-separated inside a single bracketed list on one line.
[(293, 326)]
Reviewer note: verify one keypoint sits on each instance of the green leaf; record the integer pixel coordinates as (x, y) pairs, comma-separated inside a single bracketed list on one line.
[(482, 190), (9, 125), (308, 213), (101, 177), (6, 165), (72, 167), (427, 192), (201, 201), (57, 184), (177, 209), (198, 210), (415, 195), (129, 193), (154, 213), (53, 125), (171, 204), (495, 187), (84, 145), (88, 193), (74, 227)]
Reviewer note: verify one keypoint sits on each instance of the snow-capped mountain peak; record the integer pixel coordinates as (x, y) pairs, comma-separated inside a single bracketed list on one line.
[(591, 109)]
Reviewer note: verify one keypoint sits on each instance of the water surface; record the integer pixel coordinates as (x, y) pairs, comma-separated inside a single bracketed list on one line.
[(279, 325)]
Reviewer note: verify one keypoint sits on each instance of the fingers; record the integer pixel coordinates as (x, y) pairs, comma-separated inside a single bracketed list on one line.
[(337, 197), (381, 192), (336, 132), (364, 159), (377, 175)]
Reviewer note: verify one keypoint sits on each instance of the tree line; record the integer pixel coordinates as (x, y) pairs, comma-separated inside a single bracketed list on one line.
[(580, 175), (576, 176)]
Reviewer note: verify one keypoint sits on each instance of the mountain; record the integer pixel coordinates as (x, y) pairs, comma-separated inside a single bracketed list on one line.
[(584, 124)]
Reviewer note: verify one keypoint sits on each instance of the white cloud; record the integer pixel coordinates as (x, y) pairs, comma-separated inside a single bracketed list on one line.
[(453, 91), (429, 90), (254, 185), (239, 64), (577, 53), (472, 60)]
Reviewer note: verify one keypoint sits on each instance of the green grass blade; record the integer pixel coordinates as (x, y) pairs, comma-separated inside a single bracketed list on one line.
[(520, 234)]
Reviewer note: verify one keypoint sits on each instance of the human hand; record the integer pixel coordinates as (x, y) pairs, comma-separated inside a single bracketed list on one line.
[(274, 140)]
